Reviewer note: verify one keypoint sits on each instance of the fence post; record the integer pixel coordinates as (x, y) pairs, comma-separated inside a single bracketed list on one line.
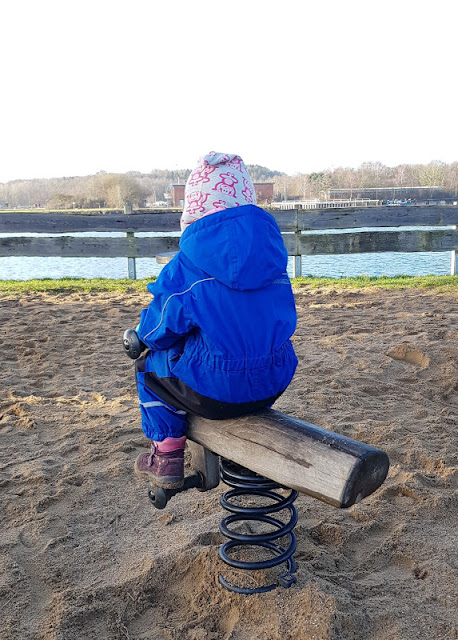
[(297, 258), (131, 266), (453, 262)]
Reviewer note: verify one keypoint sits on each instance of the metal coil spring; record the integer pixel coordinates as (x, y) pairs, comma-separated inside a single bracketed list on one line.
[(247, 483)]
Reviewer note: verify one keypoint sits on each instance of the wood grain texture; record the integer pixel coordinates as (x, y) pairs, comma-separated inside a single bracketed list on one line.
[(296, 454), (376, 242), (74, 222), (88, 247), (135, 247), (377, 217), (288, 221)]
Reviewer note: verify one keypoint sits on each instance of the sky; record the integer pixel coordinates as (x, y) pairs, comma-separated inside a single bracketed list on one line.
[(296, 86)]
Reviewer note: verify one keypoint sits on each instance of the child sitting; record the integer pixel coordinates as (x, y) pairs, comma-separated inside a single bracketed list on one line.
[(218, 328)]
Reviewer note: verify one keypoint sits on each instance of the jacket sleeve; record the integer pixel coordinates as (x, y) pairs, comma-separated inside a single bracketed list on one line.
[(166, 320)]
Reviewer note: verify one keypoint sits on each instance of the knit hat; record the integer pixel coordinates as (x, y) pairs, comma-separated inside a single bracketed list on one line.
[(220, 181)]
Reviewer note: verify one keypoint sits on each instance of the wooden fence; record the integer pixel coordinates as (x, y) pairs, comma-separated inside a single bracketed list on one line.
[(292, 224)]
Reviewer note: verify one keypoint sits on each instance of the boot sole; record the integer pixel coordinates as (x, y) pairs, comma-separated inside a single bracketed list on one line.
[(162, 483)]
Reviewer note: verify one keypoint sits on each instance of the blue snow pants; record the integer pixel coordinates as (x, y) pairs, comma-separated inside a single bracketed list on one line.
[(159, 419)]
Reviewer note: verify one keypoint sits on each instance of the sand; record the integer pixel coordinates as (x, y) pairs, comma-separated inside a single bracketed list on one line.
[(85, 555)]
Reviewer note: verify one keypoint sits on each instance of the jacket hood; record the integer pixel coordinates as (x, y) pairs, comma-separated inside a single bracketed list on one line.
[(241, 247)]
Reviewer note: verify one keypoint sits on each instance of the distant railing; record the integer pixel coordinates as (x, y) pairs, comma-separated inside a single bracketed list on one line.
[(292, 224), (288, 205)]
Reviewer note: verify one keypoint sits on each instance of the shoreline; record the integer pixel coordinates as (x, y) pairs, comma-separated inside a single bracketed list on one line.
[(443, 283)]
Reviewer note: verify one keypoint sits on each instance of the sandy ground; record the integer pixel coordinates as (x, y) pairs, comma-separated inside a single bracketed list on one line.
[(85, 555)]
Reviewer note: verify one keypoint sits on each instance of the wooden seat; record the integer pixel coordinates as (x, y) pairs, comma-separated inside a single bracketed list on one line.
[(296, 454)]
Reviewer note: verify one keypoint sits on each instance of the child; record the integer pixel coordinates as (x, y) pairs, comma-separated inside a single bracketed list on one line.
[(219, 326)]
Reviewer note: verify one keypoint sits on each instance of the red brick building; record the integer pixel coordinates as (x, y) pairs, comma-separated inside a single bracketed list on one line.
[(177, 193), (264, 193)]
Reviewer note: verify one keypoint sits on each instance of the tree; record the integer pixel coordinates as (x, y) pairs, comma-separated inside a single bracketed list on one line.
[(117, 189), (452, 178), (433, 174)]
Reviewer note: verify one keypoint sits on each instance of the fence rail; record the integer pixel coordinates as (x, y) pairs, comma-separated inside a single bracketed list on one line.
[(292, 224)]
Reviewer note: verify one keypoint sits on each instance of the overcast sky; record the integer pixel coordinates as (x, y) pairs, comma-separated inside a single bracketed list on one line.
[(294, 85)]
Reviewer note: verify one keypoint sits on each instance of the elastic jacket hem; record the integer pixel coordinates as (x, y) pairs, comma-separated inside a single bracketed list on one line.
[(180, 396)]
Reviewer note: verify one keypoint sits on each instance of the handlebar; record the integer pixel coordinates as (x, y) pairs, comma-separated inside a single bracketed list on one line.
[(133, 346)]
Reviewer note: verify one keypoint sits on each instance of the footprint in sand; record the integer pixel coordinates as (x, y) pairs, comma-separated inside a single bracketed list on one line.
[(410, 355)]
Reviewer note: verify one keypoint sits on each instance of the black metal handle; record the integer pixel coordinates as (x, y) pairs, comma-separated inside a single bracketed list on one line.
[(132, 344)]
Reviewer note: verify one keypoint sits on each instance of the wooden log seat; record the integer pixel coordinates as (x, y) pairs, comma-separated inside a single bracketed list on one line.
[(296, 454)]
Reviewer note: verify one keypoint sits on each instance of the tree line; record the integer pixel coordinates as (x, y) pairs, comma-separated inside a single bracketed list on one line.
[(373, 175), (113, 190)]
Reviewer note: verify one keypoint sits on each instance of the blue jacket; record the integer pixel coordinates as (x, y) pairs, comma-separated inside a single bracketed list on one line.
[(223, 309)]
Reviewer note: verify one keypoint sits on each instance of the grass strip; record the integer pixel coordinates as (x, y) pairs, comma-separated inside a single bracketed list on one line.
[(381, 282), (88, 285), (69, 285)]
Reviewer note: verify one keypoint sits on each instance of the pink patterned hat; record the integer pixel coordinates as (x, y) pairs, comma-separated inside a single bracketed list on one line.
[(220, 181)]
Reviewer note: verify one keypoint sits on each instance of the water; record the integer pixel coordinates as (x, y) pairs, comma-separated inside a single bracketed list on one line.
[(27, 268), (376, 264), (371, 264)]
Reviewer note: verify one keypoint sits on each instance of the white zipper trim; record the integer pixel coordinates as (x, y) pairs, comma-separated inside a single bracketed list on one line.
[(169, 298)]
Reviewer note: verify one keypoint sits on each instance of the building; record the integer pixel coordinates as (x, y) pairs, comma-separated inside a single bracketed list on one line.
[(176, 195), (288, 205), (417, 195), (264, 193)]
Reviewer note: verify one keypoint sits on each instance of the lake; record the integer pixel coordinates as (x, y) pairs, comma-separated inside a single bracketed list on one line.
[(371, 264)]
